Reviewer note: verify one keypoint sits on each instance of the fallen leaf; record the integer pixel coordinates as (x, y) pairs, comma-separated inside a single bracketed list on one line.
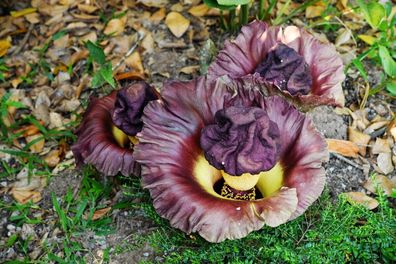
[(38, 144), (189, 69), (100, 213), (26, 196), (158, 16), (177, 7), (56, 120), (360, 139), (87, 8), (343, 147), (23, 12), (381, 146), (381, 182), (134, 61), (53, 158), (374, 126), (130, 75), (368, 39), (5, 44), (314, 11), (199, 10), (148, 43), (33, 18), (343, 37), (77, 56), (177, 23), (362, 199), (384, 162), (28, 130), (154, 3), (115, 26)]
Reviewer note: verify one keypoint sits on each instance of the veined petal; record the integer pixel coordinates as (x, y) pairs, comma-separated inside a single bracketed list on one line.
[(96, 144), (242, 56), (180, 179)]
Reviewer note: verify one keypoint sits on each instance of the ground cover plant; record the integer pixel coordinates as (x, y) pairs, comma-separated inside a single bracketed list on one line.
[(55, 56)]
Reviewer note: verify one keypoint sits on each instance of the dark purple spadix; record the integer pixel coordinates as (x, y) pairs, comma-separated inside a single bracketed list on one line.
[(288, 70), (129, 105), (243, 140)]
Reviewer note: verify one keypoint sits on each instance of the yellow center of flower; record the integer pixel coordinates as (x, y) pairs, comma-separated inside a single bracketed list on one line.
[(266, 182), (123, 139)]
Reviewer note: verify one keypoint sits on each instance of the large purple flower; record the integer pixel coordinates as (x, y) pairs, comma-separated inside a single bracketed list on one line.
[(289, 62), (225, 160), (106, 135)]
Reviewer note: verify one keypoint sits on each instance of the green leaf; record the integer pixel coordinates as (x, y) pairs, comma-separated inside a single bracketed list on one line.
[(387, 61), (233, 2), (359, 65), (107, 74), (373, 12), (60, 212), (96, 52), (215, 4), (391, 87), (59, 34), (97, 80)]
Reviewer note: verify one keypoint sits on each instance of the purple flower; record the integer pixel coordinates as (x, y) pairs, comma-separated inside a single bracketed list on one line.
[(224, 161), (100, 142), (289, 62)]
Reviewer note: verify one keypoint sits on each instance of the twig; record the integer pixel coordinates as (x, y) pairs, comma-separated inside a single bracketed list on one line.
[(24, 40), (130, 51), (338, 156)]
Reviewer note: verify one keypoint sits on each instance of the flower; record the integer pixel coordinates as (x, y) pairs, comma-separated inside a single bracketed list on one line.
[(224, 161), (107, 132), (302, 69)]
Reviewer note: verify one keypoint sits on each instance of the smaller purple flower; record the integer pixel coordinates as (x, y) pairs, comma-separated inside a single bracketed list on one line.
[(283, 61), (104, 145)]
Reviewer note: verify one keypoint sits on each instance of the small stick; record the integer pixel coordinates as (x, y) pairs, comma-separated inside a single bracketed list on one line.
[(132, 49), (347, 161), (24, 40)]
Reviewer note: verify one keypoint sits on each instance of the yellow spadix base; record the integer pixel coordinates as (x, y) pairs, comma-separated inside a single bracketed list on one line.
[(271, 181), (268, 182), (121, 138), (244, 182)]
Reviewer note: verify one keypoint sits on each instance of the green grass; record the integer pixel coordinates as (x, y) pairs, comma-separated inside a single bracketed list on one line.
[(326, 233)]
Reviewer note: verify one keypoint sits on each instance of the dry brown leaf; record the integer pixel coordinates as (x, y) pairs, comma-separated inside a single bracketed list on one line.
[(91, 36), (148, 43), (77, 56), (314, 11), (87, 8), (199, 10), (376, 125), (130, 75), (26, 196), (343, 37), (5, 44), (177, 23), (33, 18), (384, 162), (362, 199), (381, 146), (360, 139), (28, 130), (100, 213), (115, 26), (53, 158), (380, 181), (153, 3), (134, 61), (343, 147), (158, 16), (85, 17), (38, 146), (189, 69), (177, 7)]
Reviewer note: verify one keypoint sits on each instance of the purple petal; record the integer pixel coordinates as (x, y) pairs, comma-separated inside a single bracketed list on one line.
[(129, 105), (241, 57), (284, 67), (240, 139), (96, 145), (169, 150)]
